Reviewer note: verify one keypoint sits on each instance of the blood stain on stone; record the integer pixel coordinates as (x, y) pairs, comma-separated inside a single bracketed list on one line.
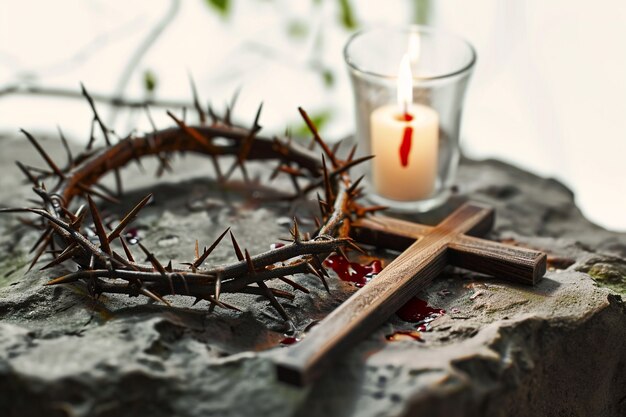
[(359, 274), (418, 311), (132, 236), (289, 340)]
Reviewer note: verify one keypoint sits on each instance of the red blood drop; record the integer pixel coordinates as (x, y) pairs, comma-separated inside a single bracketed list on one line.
[(289, 340), (353, 271), (416, 310), (407, 137)]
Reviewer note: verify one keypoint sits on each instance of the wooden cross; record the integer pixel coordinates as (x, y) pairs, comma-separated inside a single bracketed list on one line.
[(411, 272)]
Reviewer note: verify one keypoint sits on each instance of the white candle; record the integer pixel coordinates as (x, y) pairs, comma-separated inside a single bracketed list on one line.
[(405, 141)]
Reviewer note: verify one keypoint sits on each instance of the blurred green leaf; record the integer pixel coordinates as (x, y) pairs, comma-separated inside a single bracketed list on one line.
[(320, 120), (223, 7), (297, 29), (347, 15), (329, 78), (149, 81)]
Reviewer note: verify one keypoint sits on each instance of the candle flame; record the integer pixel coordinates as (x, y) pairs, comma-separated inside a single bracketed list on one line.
[(405, 84)]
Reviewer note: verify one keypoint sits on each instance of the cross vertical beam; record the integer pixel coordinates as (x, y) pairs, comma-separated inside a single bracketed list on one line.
[(404, 277)]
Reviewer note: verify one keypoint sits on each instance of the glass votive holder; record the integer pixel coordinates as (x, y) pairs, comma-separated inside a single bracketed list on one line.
[(409, 84)]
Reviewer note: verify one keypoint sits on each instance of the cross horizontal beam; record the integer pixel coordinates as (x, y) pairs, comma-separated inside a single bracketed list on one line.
[(510, 263)]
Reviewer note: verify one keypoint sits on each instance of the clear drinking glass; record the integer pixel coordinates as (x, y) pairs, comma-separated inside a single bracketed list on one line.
[(412, 171)]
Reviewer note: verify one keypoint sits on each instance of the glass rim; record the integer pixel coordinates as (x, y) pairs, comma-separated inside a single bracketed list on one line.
[(410, 29)]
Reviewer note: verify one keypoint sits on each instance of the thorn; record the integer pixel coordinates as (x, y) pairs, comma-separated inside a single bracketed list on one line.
[(168, 267), (103, 196), (223, 304), (207, 252), (153, 260), (355, 246), (230, 108), (27, 173), (345, 167), (194, 134), (257, 117), (319, 275), (317, 138), (118, 182), (323, 206), (40, 251), (64, 279), (295, 232), (352, 152), (44, 155), (276, 171), (212, 114), (41, 238), (339, 250), (354, 185), (327, 186), (294, 285), (97, 220), (211, 149), (129, 255), (70, 158), (282, 294), (236, 247), (154, 296), (318, 265), (96, 117), (129, 217), (197, 250), (67, 253), (273, 301), (251, 269), (196, 101), (150, 119)]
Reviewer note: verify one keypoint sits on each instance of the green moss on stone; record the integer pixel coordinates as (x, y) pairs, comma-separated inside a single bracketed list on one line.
[(609, 274), (9, 268)]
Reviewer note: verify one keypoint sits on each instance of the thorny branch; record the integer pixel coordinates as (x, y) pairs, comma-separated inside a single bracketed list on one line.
[(107, 265)]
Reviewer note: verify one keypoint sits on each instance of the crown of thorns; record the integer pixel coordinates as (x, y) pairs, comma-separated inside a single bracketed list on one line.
[(106, 265)]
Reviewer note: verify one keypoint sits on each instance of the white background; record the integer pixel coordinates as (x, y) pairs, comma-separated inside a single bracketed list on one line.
[(548, 93)]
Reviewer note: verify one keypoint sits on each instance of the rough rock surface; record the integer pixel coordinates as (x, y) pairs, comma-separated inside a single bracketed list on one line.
[(557, 349)]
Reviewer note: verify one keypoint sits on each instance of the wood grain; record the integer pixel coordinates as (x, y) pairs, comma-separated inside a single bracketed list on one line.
[(506, 262), (368, 308)]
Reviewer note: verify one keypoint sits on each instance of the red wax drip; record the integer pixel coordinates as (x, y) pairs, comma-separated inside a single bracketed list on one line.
[(353, 271), (405, 146), (289, 340), (416, 310)]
